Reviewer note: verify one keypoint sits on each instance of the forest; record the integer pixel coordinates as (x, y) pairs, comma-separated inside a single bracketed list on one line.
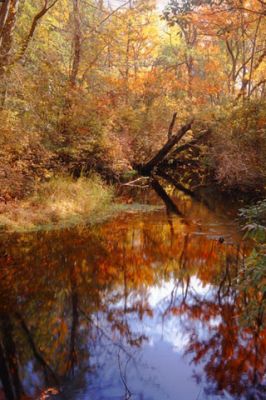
[(96, 89), (132, 199)]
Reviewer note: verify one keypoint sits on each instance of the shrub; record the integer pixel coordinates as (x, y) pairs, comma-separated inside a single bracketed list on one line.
[(238, 146), (252, 277)]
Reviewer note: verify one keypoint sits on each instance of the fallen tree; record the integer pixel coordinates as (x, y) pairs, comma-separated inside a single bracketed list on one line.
[(146, 169), (168, 148)]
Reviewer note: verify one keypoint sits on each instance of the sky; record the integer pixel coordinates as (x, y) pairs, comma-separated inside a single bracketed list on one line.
[(160, 3)]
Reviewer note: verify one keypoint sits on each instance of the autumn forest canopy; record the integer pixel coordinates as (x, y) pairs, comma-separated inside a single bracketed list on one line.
[(92, 86)]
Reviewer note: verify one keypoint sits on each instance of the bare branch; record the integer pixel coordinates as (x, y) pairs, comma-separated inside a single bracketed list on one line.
[(257, 85)]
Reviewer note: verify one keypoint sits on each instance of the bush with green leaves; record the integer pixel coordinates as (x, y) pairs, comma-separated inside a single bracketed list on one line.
[(252, 277)]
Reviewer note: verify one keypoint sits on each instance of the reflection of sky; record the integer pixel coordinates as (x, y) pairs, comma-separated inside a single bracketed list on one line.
[(154, 373), (170, 328), (159, 293), (158, 370)]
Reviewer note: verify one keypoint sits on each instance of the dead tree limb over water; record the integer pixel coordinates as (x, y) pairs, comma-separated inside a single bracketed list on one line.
[(168, 149), (146, 169)]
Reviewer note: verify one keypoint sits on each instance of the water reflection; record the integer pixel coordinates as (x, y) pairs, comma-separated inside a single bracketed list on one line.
[(144, 307)]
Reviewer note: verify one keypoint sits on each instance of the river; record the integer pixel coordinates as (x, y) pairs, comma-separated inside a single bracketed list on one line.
[(144, 306)]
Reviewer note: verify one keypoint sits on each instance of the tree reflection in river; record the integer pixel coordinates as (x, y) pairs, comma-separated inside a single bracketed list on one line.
[(85, 310)]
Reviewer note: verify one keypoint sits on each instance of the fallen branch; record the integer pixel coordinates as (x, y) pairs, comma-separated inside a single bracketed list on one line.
[(147, 168), (191, 144), (131, 183)]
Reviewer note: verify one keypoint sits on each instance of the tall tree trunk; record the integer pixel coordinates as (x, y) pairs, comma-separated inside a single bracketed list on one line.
[(189, 64), (233, 57), (74, 71), (8, 16), (244, 78), (127, 62), (4, 10), (40, 14), (254, 44), (76, 44)]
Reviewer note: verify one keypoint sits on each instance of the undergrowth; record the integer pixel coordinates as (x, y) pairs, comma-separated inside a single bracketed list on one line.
[(61, 200)]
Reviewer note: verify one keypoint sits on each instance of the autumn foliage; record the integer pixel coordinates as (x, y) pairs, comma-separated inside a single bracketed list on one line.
[(87, 86)]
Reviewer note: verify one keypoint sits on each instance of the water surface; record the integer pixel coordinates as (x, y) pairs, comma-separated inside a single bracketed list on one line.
[(145, 306)]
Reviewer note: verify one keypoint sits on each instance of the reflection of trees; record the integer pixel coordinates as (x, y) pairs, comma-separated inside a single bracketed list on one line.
[(233, 356), (8, 360), (57, 283), (47, 370), (64, 283), (75, 319)]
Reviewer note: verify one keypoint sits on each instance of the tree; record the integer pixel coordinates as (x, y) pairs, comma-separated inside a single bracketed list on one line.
[(8, 56)]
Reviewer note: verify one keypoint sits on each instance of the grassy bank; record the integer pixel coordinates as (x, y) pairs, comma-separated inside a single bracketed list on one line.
[(61, 201)]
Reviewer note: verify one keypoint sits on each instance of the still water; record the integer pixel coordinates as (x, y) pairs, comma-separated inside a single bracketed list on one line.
[(145, 306)]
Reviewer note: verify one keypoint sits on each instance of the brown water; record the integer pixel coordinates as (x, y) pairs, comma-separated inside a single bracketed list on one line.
[(145, 306)]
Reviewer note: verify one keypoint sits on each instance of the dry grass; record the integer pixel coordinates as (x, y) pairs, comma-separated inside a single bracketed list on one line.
[(59, 201)]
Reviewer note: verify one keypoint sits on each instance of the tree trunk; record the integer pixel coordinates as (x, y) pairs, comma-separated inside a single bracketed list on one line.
[(8, 14), (76, 44), (254, 44), (147, 168)]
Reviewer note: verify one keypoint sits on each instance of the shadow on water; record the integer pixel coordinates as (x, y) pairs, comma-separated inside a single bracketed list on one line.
[(146, 306)]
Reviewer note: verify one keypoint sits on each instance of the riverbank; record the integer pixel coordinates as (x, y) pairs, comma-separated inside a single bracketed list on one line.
[(64, 202), (61, 201)]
